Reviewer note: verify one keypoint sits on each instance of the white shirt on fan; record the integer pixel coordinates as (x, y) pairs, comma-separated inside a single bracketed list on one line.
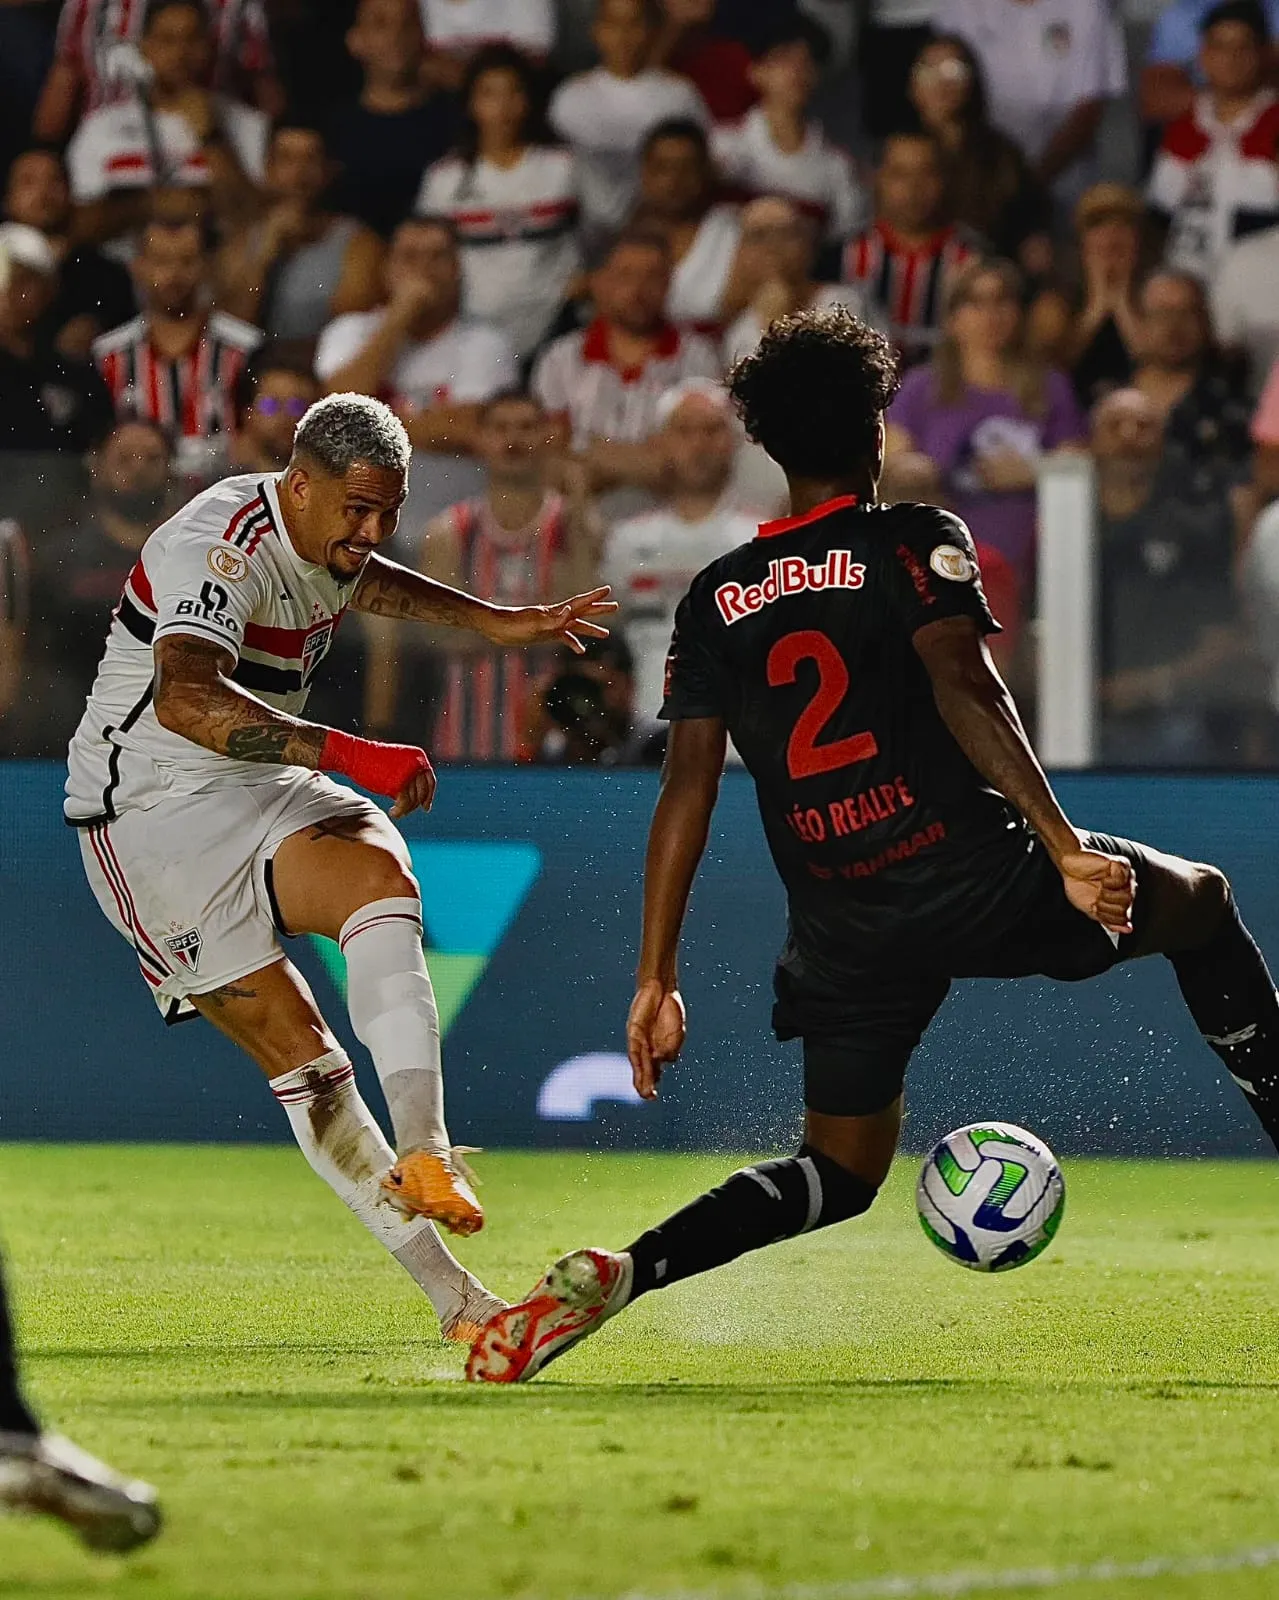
[(650, 561), (699, 280), (1245, 307), (1041, 58), (459, 27), (113, 148), (517, 231), (465, 363), (606, 119), (819, 177)]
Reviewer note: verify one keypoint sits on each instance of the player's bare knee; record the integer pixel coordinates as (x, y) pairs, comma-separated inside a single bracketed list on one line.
[(382, 876)]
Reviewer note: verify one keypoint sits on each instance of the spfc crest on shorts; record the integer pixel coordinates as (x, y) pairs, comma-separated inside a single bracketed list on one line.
[(185, 948)]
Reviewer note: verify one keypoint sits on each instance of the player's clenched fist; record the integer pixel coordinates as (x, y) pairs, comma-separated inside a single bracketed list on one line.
[(401, 772)]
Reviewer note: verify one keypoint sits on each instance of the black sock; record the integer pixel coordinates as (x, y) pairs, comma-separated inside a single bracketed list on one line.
[(1231, 995), (756, 1206), (14, 1416)]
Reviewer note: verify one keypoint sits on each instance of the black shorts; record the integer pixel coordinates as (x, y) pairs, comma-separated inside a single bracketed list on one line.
[(859, 1033)]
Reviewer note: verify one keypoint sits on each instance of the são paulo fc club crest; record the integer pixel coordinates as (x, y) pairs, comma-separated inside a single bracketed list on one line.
[(185, 948), (313, 648)]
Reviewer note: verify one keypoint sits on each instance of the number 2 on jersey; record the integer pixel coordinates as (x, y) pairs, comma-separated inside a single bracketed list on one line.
[(805, 758)]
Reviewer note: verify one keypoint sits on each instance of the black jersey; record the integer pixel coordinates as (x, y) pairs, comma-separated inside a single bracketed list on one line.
[(801, 641)]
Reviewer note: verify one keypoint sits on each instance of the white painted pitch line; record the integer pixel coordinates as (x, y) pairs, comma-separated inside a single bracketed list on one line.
[(948, 1584)]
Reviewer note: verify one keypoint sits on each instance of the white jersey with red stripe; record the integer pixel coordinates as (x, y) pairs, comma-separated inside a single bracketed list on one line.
[(221, 569), (517, 230)]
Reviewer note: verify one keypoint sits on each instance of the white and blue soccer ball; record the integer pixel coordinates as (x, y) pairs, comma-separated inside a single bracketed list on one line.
[(991, 1196)]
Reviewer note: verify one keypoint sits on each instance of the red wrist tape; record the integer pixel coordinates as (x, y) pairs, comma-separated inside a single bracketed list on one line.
[(385, 769)]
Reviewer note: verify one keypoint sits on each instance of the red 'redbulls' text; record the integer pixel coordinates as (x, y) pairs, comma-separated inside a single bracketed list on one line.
[(789, 575)]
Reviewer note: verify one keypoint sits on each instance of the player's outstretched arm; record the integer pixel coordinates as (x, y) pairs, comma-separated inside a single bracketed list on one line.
[(196, 698), (979, 711), (676, 841), (388, 590)]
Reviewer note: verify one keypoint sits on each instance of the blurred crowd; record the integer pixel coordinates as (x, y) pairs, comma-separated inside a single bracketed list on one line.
[(543, 229)]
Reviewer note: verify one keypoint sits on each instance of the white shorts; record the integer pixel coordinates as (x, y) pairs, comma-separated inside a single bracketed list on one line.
[(187, 882)]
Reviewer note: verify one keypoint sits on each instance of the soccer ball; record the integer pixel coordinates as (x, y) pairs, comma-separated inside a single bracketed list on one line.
[(991, 1196)]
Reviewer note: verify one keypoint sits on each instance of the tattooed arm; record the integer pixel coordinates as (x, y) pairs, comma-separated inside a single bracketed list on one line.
[(389, 590), (196, 697)]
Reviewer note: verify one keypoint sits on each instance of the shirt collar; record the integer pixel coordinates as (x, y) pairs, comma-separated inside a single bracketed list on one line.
[(595, 347), (894, 242), (841, 502)]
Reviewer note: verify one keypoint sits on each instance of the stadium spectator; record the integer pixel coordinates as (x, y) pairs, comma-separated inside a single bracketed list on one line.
[(1174, 660), (94, 292), (177, 362), (651, 559), (519, 542), (605, 381), (908, 257), (48, 401), (1172, 69), (606, 114), (14, 612), (719, 67), (456, 29), (298, 265), (1199, 397), (78, 571), (273, 393), (784, 240), (1259, 585), (989, 186), (984, 412), (779, 149), (1050, 66), (712, 277), (892, 36), (512, 195), (415, 351), (1215, 176), (171, 131), (97, 46), (1245, 308), (385, 139), (1091, 326)]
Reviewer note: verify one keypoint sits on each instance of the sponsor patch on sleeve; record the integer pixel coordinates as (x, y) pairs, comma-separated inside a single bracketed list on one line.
[(949, 561)]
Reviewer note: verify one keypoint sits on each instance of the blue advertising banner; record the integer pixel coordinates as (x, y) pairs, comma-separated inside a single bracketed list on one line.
[(531, 886)]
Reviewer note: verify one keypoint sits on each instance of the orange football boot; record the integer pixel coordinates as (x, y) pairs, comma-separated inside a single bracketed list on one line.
[(438, 1185)]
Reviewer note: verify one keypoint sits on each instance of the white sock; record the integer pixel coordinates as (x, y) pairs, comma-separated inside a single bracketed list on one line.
[(343, 1143), (392, 1007)]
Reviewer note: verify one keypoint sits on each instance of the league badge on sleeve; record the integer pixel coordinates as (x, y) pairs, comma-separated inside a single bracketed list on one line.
[(949, 561)]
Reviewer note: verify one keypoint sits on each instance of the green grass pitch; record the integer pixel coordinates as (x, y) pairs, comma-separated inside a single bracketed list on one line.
[(842, 1408)]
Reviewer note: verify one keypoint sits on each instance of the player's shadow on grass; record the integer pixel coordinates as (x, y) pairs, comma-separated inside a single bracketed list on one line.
[(451, 1395)]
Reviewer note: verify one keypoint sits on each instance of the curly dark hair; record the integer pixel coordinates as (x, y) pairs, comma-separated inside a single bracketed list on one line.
[(813, 391)]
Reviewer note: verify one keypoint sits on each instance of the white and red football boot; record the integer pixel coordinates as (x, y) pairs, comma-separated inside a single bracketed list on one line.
[(576, 1298)]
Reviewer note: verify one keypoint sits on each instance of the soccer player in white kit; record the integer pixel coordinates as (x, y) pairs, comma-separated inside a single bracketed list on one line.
[(208, 828)]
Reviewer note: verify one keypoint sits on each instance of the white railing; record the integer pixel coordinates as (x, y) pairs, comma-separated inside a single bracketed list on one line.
[(1066, 631)]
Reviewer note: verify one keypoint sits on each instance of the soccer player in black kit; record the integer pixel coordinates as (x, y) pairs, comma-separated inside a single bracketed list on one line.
[(917, 836), (44, 1473)]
